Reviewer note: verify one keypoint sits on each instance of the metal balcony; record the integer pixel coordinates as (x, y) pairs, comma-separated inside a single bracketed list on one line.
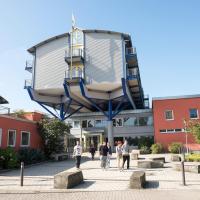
[(27, 83), (131, 56), (74, 75), (77, 56), (29, 66)]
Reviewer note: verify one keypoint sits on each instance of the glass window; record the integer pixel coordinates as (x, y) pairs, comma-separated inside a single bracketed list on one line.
[(25, 138), (169, 115), (143, 121), (90, 123), (98, 123), (178, 130), (0, 136), (163, 131), (11, 138), (150, 121), (76, 124), (84, 124), (194, 113), (129, 121), (170, 130)]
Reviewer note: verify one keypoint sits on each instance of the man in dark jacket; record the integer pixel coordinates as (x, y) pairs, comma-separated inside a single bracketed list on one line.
[(103, 151)]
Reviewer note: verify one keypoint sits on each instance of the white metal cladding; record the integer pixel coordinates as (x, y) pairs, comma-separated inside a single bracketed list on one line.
[(103, 54), (50, 64)]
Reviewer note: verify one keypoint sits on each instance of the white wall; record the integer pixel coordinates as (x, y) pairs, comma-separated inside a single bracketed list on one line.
[(50, 64), (104, 61)]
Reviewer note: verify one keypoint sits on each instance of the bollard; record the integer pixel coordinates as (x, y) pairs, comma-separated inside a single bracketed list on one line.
[(183, 173), (22, 174)]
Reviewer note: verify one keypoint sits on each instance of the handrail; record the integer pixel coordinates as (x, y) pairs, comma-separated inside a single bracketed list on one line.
[(29, 65), (27, 83), (75, 52), (131, 50)]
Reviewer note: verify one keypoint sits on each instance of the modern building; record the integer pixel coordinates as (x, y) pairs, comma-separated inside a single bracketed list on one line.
[(20, 132), (86, 71), (170, 115), (93, 127)]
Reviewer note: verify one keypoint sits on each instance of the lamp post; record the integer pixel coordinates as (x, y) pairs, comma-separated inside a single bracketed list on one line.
[(186, 135)]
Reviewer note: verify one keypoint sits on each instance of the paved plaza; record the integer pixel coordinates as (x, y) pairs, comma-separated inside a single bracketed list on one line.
[(162, 183)]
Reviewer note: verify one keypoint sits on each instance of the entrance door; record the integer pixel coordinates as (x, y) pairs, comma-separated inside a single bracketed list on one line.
[(94, 140)]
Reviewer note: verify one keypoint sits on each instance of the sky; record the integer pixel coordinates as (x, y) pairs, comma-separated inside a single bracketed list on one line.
[(166, 35)]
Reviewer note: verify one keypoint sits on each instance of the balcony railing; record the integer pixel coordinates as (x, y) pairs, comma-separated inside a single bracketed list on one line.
[(29, 66), (27, 83), (74, 73), (74, 52), (130, 50)]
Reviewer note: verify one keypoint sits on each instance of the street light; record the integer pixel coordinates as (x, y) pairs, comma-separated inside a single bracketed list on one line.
[(186, 135)]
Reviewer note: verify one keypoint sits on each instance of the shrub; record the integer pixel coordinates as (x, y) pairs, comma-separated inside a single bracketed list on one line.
[(156, 148), (145, 150), (8, 158), (175, 147), (193, 158), (30, 155)]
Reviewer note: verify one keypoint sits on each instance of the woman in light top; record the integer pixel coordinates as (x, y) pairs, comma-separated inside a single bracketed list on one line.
[(119, 155), (77, 154)]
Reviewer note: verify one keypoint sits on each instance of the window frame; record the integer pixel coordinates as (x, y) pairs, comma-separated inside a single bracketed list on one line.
[(197, 113), (74, 124), (172, 115), (14, 137), (29, 137)]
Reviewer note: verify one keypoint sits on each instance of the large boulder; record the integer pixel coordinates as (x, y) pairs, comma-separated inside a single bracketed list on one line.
[(188, 166), (137, 180), (66, 179), (158, 159), (148, 164), (175, 157)]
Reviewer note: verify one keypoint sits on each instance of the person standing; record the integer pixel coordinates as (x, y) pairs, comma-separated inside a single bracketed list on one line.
[(92, 151), (125, 154), (119, 154), (109, 154), (103, 151), (77, 154)]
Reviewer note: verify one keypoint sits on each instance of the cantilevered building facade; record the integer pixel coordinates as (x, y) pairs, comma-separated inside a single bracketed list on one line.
[(86, 71)]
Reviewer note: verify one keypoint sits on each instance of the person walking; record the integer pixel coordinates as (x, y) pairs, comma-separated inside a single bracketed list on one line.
[(109, 155), (103, 151), (119, 154), (77, 154), (92, 151), (125, 154)]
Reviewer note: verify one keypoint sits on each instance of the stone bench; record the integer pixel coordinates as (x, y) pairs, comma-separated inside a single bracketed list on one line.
[(134, 156), (175, 158), (60, 156), (148, 164), (137, 180), (158, 159), (66, 179), (193, 167)]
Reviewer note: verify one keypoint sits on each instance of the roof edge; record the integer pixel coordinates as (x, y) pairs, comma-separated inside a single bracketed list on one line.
[(176, 97)]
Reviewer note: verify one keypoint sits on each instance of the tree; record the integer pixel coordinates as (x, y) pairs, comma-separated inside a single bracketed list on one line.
[(193, 127), (52, 132), (19, 113)]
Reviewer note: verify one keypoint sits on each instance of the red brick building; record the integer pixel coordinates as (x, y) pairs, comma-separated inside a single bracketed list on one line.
[(169, 114), (20, 132)]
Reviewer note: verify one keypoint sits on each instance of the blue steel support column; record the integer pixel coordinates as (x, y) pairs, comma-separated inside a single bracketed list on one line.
[(110, 123)]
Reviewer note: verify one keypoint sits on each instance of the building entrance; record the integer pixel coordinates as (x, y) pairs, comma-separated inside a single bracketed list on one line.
[(93, 140)]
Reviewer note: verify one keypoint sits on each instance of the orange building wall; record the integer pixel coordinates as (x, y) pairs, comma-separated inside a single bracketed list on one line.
[(19, 125), (180, 109)]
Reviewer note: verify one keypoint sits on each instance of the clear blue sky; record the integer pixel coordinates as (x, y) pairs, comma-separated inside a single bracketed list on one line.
[(165, 33)]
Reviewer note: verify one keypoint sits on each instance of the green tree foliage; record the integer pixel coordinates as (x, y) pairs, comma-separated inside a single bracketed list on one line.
[(156, 148), (19, 113), (193, 127), (175, 147), (52, 132)]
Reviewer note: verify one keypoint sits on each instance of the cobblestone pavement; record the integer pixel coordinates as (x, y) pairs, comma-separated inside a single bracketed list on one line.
[(163, 183)]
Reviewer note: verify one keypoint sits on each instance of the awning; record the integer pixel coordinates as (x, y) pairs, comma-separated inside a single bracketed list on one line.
[(93, 132)]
